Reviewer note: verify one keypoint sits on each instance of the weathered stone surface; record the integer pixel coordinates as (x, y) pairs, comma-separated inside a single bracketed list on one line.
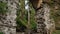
[(50, 25), (45, 25), (40, 21), (8, 21)]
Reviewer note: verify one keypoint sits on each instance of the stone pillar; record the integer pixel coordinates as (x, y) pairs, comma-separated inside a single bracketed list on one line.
[(8, 25), (40, 20), (50, 25)]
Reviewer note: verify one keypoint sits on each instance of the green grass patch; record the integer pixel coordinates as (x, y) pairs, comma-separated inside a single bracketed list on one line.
[(57, 32), (1, 32)]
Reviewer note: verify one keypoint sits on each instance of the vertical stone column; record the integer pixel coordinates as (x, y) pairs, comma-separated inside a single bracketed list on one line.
[(50, 25), (45, 25), (9, 24), (40, 21)]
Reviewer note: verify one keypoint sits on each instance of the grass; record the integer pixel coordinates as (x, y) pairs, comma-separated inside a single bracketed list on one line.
[(57, 32), (1, 32)]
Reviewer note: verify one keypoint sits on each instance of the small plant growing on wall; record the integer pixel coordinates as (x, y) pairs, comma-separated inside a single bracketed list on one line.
[(3, 6)]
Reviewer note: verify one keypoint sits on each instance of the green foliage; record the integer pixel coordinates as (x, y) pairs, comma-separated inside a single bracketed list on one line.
[(3, 8), (22, 16), (51, 3), (21, 19), (20, 22), (1, 32), (32, 19), (55, 15), (57, 32)]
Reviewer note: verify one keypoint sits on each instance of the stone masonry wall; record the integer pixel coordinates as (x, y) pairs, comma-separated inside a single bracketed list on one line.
[(8, 25)]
